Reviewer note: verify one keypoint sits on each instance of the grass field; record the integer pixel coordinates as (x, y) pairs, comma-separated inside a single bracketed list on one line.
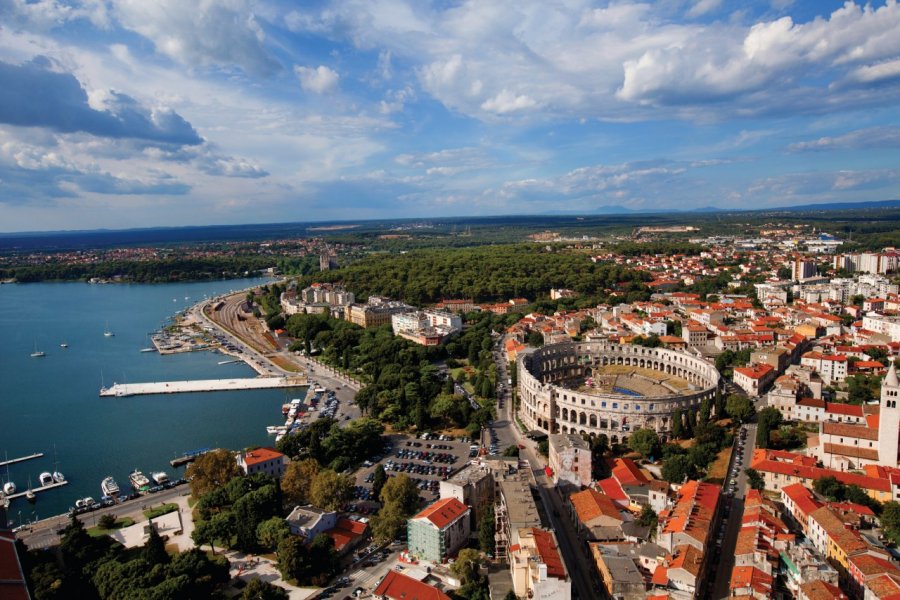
[(98, 531), (158, 511)]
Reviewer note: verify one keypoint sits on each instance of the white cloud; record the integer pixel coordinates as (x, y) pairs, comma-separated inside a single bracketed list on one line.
[(319, 80), (507, 102), (861, 139), (701, 7)]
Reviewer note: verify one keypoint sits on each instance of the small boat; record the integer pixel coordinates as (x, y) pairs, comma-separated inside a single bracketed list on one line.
[(29, 495), (63, 345), (139, 481), (107, 332), (160, 478), (109, 487), (45, 478), (37, 353), (9, 488), (148, 349), (58, 477)]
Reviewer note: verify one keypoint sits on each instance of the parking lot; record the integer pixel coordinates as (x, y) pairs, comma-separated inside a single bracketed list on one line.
[(426, 460)]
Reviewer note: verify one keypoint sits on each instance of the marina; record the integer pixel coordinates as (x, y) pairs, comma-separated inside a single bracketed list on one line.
[(203, 385), (43, 488), (13, 461)]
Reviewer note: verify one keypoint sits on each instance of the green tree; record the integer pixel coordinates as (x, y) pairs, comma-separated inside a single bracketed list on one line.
[(401, 491), (739, 408), (466, 565), (511, 451), (270, 532), (258, 589), (252, 509), (677, 425), (755, 479), (645, 442), (486, 530), (330, 490), (154, 551), (769, 419), (890, 519), (648, 517), (293, 558), (389, 523), (830, 487), (535, 338), (676, 469), (211, 471), (107, 521), (298, 479), (378, 480)]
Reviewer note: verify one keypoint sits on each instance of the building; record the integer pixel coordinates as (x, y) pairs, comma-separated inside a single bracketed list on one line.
[(12, 575), (515, 509), (802, 269), (570, 460), (263, 460), (537, 567), (820, 590), (596, 516), (439, 531), (831, 367), (473, 485), (619, 572), (377, 311), (397, 586), (309, 521), (755, 378), (426, 327)]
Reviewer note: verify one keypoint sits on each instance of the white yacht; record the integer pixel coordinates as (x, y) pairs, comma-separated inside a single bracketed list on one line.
[(45, 478), (9, 488), (37, 353), (160, 478), (110, 487), (107, 332), (139, 481), (58, 477)]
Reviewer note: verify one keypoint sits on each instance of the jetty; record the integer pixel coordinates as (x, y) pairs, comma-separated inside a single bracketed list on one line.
[(189, 457), (201, 385), (3, 463), (42, 488)]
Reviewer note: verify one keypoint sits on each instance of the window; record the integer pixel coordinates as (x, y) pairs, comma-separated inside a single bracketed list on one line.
[(615, 405)]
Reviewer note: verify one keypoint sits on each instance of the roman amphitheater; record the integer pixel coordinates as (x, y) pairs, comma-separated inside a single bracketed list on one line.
[(603, 387)]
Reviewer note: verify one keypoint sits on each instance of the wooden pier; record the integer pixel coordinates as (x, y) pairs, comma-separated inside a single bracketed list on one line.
[(42, 488), (3, 463), (201, 385)]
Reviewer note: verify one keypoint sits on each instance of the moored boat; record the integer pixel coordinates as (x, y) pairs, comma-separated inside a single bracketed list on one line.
[(9, 488), (160, 478), (45, 478), (58, 477), (139, 481), (109, 487)]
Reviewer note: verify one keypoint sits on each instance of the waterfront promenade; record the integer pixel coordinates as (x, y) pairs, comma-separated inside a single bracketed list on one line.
[(201, 385)]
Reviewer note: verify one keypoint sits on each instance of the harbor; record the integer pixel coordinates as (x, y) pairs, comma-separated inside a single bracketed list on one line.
[(120, 390), (43, 488)]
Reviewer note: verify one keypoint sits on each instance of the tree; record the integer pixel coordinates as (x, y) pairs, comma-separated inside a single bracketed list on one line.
[(401, 491), (270, 532), (258, 589), (218, 528), (739, 408), (252, 509), (755, 479), (535, 338), (330, 490), (293, 558), (298, 479), (107, 521), (486, 530), (154, 551), (677, 425), (645, 442), (379, 478), (648, 517), (511, 451), (677, 469), (211, 470), (768, 419), (890, 519), (829, 487), (389, 523), (467, 564), (510, 595)]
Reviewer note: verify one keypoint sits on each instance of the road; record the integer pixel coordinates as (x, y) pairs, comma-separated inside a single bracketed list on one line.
[(44, 533), (732, 521), (578, 565)]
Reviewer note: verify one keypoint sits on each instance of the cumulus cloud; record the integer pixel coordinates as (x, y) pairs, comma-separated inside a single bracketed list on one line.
[(507, 102), (823, 186), (39, 94), (861, 139), (221, 33), (701, 7), (319, 80)]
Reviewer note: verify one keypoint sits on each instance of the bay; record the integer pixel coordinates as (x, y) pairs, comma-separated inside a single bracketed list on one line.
[(52, 405)]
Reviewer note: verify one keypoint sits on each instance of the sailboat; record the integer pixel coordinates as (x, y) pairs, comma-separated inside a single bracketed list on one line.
[(150, 347), (37, 353), (9, 488), (64, 345), (30, 493), (107, 332)]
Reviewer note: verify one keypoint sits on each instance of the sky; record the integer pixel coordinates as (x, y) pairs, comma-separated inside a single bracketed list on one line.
[(139, 113)]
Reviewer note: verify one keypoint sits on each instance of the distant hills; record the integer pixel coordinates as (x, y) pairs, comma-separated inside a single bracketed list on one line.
[(616, 209)]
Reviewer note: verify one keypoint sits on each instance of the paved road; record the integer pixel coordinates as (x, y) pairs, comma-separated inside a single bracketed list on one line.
[(43, 533), (732, 522)]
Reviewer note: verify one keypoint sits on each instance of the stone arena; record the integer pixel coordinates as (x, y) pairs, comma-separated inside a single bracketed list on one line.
[(603, 387)]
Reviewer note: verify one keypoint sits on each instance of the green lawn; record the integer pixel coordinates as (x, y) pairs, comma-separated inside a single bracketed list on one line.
[(158, 511), (98, 531)]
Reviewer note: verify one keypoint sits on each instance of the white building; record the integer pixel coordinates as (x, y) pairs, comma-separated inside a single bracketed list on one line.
[(830, 367), (439, 530), (538, 571), (570, 460), (888, 326)]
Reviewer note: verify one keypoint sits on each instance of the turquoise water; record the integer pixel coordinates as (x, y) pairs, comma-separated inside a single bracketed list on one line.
[(52, 402)]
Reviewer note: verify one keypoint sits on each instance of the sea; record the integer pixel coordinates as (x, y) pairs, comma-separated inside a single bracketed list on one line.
[(52, 404)]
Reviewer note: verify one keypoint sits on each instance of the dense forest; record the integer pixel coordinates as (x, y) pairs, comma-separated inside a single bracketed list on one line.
[(482, 273)]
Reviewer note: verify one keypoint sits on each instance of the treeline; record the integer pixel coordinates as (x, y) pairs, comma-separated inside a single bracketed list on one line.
[(152, 271), (484, 273)]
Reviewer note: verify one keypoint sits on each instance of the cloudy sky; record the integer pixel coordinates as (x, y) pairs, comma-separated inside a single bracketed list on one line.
[(132, 113)]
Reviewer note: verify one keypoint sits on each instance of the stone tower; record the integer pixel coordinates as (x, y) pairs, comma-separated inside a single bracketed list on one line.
[(889, 420)]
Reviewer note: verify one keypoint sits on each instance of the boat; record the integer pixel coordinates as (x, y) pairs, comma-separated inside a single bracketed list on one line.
[(160, 478), (148, 349), (45, 478), (139, 481), (37, 353), (109, 487), (9, 488), (58, 477), (107, 332), (30, 493), (63, 345)]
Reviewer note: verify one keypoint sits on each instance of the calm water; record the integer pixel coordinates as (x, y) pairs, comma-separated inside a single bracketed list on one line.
[(52, 402)]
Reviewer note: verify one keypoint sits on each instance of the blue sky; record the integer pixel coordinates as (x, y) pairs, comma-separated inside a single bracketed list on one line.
[(133, 113)]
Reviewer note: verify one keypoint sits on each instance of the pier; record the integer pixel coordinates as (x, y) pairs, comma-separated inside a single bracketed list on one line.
[(3, 463), (43, 488), (202, 385), (188, 457)]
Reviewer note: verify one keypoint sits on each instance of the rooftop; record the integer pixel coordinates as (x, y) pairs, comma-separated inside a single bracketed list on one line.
[(443, 512)]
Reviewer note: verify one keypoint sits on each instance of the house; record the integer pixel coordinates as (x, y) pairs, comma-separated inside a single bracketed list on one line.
[(397, 586), (820, 590), (12, 577), (755, 378), (570, 460), (596, 516), (263, 460), (309, 521), (436, 533), (348, 534), (537, 567)]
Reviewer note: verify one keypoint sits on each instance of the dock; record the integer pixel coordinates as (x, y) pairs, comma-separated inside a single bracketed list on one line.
[(3, 463), (202, 385), (43, 488), (188, 457)]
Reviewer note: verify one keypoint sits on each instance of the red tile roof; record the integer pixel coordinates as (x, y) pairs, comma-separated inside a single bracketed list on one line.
[(822, 590), (626, 472), (398, 586), (261, 455), (443, 512), (762, 461), (549, 552), (12, 579), (755, 371), (345, 531), (591, 504), (802, 497), (744, 577)]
